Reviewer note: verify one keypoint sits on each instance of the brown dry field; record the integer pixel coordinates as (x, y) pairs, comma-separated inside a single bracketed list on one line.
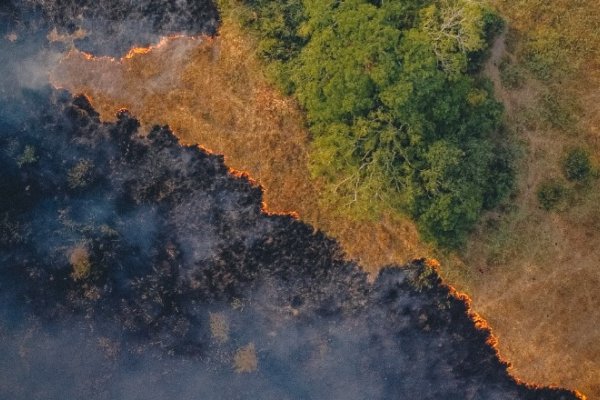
[(212, 92), (533, 274)]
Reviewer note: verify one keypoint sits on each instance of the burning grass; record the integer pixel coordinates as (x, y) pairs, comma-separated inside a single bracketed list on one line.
[(213, 92), (531, 273), (534, 273)]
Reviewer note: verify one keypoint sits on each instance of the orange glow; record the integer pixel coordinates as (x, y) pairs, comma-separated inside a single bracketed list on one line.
[(87, 56), (433, 263), (244, 176), (491, 340), (254, 183), (136, 51)]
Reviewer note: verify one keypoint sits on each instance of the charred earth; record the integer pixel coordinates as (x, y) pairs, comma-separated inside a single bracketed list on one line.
[(109, 27), (126, 258)]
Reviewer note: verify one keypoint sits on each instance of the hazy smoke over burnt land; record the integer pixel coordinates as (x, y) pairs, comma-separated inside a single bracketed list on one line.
[(110, 27), (132, 267), (129, 259)]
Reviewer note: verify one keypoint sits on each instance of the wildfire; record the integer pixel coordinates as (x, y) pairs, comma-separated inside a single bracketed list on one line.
[(218, 102), (138, 50), (492, 340), (163, 42)]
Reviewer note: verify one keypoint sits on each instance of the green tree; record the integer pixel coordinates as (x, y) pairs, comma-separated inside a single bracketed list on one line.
[(396, 117), (576, 165)]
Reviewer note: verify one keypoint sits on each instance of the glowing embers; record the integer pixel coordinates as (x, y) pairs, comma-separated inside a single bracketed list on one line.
[(164, 41)]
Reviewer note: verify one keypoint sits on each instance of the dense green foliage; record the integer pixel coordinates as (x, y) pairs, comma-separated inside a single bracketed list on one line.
[(399, 117), (576, 165)]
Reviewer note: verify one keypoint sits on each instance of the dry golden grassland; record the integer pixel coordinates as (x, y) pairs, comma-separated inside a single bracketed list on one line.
[(533, 274), (246, 359), (213, 92)]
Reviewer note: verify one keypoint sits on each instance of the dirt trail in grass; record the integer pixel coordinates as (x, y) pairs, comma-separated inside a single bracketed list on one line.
[(492, 70), (537, 279), (527, 271)]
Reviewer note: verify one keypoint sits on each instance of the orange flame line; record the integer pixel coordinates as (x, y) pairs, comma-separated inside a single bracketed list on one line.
[(492, 340)]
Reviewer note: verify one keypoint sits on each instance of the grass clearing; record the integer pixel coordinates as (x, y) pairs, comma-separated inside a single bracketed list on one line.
[(534, 273)]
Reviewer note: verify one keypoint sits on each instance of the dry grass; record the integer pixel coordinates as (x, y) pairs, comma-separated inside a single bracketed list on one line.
[(213, 92), (219, 327), (245, 359), (533, 275)]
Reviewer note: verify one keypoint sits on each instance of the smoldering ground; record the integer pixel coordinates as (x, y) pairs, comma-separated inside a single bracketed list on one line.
[(35, 35), (110, 27), (129, 258), (132, 267)]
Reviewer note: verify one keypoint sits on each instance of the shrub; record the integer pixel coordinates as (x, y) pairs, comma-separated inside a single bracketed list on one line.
[(576, 165), (11, 231), (512, 76), (245, 359), (550, 194), (545, 57), (28, 156), (81, 174), (557, 112), (79, 258), (219, 327)]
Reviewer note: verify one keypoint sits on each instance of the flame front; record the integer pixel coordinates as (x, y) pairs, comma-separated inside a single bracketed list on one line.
[(212, 91)]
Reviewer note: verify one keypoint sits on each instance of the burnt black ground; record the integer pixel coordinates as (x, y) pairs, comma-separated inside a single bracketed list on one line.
[(111, 27), (171, 238)]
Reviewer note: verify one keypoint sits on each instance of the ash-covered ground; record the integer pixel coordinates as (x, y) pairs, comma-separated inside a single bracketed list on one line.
[(108, 27), (132, 267)]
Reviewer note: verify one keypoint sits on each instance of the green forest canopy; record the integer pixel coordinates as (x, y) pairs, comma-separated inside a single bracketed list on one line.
[(398, 114)]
